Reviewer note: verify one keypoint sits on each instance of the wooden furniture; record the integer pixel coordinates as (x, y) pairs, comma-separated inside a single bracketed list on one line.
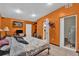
[(77, 52), (34, 29)]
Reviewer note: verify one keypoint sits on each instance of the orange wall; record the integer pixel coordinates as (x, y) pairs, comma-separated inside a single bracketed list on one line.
[(55, 17), (8, 22), (0, 22)]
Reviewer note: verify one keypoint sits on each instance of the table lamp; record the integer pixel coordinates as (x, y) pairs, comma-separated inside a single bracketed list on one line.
[(0, 32), (6, 29)]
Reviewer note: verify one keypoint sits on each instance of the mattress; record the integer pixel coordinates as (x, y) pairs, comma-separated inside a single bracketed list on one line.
[(35, 45)]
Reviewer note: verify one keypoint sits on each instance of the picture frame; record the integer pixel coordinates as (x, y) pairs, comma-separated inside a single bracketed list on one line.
[(17, 24)]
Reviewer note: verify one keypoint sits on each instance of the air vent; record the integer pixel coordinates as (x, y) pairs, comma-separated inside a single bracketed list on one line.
[(68, 5)]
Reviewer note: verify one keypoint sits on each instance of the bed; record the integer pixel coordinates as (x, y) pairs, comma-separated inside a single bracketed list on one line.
[(34, 47)]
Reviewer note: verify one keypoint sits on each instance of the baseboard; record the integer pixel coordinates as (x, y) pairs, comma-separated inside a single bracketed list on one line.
[(54, 44)]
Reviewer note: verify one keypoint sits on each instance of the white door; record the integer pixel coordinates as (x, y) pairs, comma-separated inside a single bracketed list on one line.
[(28, 30), (61, 32)]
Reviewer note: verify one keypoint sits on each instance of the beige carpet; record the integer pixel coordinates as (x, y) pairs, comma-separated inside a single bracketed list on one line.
[(57, 51)]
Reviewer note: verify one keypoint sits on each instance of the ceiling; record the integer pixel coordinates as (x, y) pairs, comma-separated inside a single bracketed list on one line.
[(27, 11)]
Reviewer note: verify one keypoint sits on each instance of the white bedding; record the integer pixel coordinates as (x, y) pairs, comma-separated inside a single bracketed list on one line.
[(33, 47)]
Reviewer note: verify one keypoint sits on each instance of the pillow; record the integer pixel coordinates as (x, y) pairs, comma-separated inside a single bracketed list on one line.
[(21, 34), (4, 42)]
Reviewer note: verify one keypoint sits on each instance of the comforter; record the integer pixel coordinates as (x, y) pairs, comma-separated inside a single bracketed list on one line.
[(35, 45)]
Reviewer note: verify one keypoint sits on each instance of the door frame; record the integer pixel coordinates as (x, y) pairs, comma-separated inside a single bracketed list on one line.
[(30, 29), (62, 32), (75, 32)]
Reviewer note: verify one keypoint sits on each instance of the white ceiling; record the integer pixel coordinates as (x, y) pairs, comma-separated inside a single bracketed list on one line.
[(27, 9)]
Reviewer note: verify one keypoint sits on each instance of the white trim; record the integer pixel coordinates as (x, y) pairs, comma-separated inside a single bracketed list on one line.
[(75, 32), (61, 32), (29, 30)]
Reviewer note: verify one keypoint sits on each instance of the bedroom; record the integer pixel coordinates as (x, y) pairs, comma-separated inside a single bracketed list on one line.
[(38, 22)]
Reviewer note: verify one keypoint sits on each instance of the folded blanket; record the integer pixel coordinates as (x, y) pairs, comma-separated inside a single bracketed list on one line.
[(21, 40)]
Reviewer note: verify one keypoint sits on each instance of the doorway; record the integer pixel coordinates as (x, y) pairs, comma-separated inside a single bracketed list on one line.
[(68, 32), (28, 30)]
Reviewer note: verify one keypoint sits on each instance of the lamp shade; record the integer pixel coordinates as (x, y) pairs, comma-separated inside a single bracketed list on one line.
[(6, 29), (1, 30)]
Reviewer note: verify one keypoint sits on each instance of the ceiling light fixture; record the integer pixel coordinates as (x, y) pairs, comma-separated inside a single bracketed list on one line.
[(18, 11), (33, 15), (49, 4)]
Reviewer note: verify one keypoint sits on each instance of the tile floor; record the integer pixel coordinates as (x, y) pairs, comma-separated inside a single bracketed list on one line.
[(57, 51)]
